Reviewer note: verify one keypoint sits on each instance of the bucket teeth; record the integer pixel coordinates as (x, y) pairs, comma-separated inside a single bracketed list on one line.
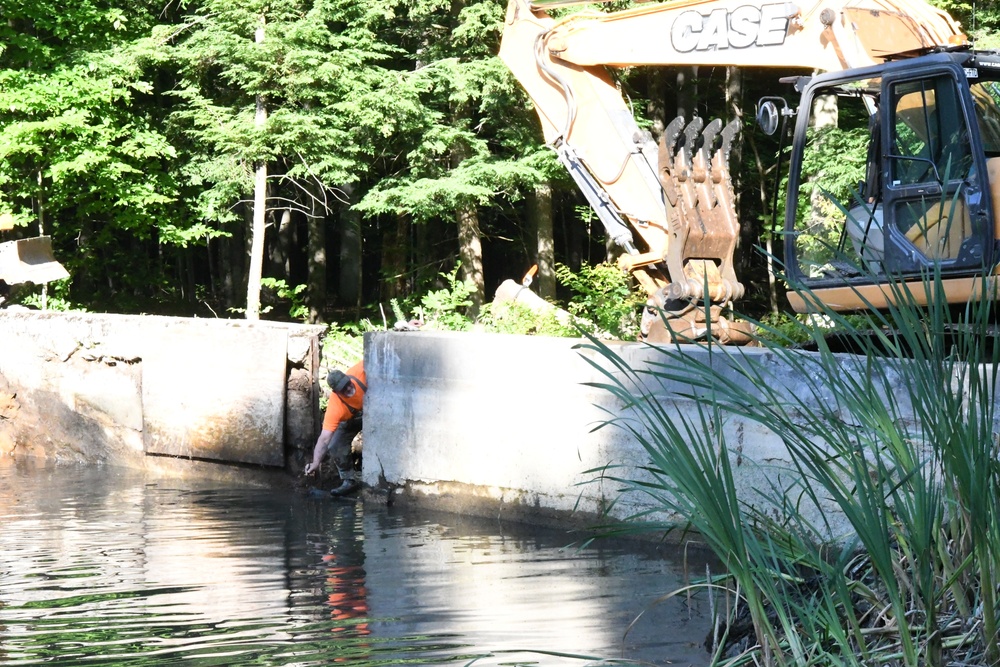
[(709, 135), (696, 180), (693, 129), (672, 133), (728, 135)]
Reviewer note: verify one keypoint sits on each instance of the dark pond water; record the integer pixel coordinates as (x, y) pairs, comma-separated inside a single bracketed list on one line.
[(100, 566)]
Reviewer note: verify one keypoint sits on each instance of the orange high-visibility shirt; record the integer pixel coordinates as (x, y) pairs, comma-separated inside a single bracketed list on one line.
[(336, 411)]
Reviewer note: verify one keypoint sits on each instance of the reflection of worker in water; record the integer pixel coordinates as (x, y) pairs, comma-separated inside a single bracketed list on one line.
[(341, 423), (347, 595)]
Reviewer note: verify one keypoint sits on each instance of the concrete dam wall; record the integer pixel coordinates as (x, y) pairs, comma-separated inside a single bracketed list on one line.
[(500, 424), (488, 424), (146, 391)]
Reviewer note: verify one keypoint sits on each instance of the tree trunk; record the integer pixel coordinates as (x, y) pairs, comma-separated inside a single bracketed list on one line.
[(257, 244), (470, 247), (470, 252), (576, 233), (350, 252), (656, 108), (41, 231), (259, 211), (395, 255), (750, 229), (540, 212), (316, 258), (687, 92), (279, 253), (235, 252)]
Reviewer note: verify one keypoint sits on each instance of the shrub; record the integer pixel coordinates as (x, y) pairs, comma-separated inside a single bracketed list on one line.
[(515, 318), (605, 296)]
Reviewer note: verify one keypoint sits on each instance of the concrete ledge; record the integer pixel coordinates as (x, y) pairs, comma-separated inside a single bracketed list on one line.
[(482, 424), (501, 424), (118, 388)]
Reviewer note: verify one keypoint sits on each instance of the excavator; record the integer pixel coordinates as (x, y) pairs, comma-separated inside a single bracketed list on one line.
[(892, 88)]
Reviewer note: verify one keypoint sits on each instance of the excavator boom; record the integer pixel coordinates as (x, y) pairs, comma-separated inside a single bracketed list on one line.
[(819, 35)]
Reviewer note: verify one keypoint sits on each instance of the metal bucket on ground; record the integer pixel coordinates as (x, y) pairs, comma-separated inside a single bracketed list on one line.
[(30, 261)]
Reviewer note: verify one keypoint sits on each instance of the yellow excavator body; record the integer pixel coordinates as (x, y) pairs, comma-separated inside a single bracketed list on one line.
[(670, 204)]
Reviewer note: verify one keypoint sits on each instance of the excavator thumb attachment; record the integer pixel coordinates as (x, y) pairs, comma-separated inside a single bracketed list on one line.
[(697, 184), (29, 261)]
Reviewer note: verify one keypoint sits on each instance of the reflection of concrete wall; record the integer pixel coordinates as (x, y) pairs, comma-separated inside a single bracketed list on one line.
[(511, 593), (114, 387), (505, 424)]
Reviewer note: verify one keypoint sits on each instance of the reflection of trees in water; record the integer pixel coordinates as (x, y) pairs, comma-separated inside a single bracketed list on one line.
[(92, 556), (332, 570), (334, 567)]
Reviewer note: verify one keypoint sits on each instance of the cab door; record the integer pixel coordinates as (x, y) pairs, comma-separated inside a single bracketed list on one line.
[(933, 178)]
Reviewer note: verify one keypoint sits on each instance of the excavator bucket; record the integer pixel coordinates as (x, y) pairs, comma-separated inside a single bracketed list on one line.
[(29, 261), (697, 183)]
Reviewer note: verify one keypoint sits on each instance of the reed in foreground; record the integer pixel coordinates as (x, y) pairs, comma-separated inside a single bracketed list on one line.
[(899, 437)]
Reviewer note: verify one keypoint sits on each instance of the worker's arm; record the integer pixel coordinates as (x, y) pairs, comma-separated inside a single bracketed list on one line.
[(319, 451), (336, 413)]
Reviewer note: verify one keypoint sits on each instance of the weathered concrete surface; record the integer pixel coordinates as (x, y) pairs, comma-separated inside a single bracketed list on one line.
[(223, 401), (473, 423), (493, 424), (115, 388)]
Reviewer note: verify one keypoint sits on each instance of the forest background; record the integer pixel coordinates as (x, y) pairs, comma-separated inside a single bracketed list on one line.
[(394, 146)]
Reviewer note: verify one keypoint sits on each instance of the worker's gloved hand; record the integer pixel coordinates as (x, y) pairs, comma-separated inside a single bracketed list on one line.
[(309, 469)]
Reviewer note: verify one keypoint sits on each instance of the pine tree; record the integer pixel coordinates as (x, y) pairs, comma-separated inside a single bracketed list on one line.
[(317, 73), (470, 148), (82, 157)]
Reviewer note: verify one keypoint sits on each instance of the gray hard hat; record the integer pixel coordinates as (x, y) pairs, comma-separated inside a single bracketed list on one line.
[(338, 381)]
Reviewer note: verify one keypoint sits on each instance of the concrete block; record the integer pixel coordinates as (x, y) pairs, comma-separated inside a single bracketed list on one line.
[(512, 420), (105, 387), (222, 401)]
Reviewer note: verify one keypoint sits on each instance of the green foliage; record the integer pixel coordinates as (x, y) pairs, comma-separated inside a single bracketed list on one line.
[(297, 309), (343, 345), (794, 329), (899, 440), (437, 309), (980, 20), (56, 297), (515, 318), (314, 73), (473, 140), (81, 154), (442, 309), (129, 132), (605, 296), (836, 158), (784, 328)]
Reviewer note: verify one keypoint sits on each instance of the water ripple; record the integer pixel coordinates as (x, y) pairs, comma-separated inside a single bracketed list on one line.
[(106, 567)]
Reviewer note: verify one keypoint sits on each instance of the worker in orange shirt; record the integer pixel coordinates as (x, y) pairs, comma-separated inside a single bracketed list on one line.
[(341, 423)]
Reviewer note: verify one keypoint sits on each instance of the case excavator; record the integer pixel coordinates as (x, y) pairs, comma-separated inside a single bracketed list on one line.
[(892, 87)]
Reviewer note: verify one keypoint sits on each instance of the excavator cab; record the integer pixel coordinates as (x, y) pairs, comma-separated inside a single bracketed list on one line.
[(890, 181)]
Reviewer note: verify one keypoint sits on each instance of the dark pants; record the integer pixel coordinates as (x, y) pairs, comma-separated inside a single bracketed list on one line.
[(340, 447)]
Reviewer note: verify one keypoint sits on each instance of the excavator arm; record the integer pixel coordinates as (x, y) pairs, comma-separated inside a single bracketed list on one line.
[(677, 196)]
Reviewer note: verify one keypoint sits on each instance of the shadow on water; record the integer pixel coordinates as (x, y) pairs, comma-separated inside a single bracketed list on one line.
[(104, 566)]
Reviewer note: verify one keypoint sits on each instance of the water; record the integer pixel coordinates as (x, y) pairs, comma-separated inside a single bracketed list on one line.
[(103, 566)]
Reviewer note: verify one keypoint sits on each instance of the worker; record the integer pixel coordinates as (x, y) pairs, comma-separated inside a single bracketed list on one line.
[(341, 423)]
